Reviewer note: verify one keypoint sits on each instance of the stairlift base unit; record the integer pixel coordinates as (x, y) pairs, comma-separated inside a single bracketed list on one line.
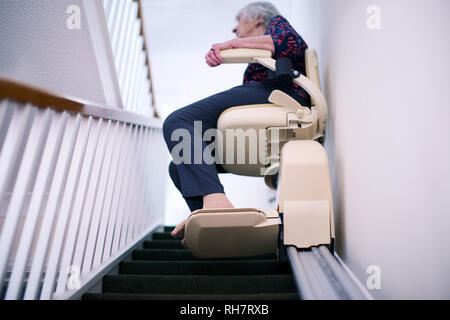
[(245, 232)]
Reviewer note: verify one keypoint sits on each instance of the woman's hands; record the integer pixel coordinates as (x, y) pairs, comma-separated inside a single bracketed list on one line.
[(213, 58)]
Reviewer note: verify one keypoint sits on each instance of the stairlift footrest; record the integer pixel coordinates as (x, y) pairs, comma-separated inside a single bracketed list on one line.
[(232, 232), (306, 223)]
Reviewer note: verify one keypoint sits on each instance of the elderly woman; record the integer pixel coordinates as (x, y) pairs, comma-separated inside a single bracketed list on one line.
[(259, 26)]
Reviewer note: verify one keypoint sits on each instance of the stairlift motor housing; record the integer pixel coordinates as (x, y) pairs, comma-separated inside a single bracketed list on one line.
[(293, 156)]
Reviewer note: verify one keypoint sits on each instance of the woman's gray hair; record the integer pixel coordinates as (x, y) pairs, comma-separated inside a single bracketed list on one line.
[(259, 9)]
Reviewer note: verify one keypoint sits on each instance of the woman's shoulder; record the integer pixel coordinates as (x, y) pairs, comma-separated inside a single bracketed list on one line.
[(278, 22)]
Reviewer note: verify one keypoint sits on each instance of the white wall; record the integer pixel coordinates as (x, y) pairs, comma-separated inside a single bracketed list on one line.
[(38, 48), (387, 139)]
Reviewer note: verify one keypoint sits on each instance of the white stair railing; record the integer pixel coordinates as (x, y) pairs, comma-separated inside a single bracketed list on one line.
[(127, 34), (80, 184)]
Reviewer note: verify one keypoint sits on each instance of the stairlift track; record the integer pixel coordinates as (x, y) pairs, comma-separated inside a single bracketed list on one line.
[(318, 275)]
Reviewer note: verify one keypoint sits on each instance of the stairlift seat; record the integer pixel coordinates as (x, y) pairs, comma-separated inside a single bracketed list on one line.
[(289, 130)]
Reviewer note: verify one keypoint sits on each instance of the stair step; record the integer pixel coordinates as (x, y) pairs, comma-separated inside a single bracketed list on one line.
[(136, 296), (244, 267), (184, 254), (164, 236), (248, 284), (163, 244), (164, 270)]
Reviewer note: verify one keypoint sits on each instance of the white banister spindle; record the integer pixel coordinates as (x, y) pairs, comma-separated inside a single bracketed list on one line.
[(147, 209), (139, 87), (57, 185), (8, 159), (78, 204), (123, 193), (150, 190), (107, 6), (105, 243), (124, 27), (133, 74), (140, 186), (132, 179), (45, 173), (141, 205), (26, 174), (91, 218), (113, 159), (136, 189), (144, 92), (5, 117), (130, 59), (111, 16), (128, 74), (162, 163), (124, 153), (123, 59), (65, 210), (143, 76), (100, 217), (137, 75), (117, 24)]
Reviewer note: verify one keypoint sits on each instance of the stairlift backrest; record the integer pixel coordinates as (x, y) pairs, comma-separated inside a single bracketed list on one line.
[(312, 68)]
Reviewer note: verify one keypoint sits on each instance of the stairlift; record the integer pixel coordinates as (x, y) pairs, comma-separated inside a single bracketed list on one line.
[(296, 165)]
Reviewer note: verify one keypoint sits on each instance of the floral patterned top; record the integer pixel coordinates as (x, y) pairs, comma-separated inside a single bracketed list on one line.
[(288, 43)]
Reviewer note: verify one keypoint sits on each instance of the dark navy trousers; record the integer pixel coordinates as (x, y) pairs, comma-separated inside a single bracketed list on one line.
[(195, 180)]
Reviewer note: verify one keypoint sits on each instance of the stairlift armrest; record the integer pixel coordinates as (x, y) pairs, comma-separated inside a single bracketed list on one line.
[(243, 55)]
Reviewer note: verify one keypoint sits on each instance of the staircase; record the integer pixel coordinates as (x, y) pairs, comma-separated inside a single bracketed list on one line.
[(165, 270)]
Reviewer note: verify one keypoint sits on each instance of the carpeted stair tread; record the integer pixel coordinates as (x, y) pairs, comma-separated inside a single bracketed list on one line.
[(184, 254), (163, 244), (248, 284), (136, 296), (164, 270), (244, 267)]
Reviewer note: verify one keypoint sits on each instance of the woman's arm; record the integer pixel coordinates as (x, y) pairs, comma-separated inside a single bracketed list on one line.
[(260, 42), (213, 58)]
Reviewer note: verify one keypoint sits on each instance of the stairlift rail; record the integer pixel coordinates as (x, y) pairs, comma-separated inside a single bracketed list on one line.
[(319, 276)]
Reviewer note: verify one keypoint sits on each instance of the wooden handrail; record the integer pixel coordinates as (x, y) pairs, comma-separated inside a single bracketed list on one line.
[(43, 98), (147, 57)]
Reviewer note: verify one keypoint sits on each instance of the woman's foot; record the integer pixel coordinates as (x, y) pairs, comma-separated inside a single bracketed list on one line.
[(215, 201), (178, 232), (210, 201)]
